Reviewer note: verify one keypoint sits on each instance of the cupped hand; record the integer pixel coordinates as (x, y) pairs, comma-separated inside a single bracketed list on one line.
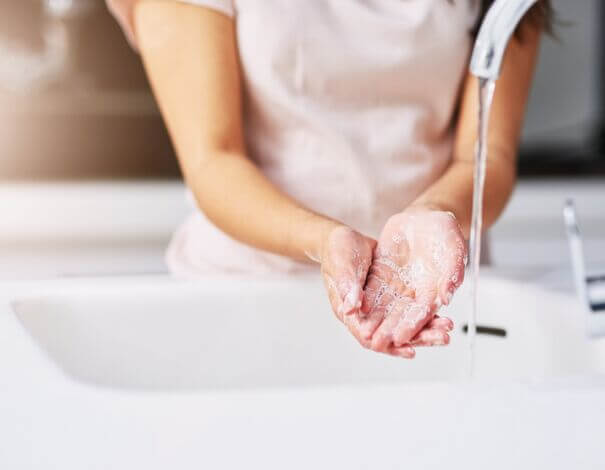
[(346, 258), (418, 264)]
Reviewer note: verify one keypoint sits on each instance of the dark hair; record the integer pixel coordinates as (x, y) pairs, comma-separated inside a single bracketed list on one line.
[(540, 15)]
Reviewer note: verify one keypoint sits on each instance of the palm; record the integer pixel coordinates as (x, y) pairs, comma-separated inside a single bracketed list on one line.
[(418, 264), (346, 261)]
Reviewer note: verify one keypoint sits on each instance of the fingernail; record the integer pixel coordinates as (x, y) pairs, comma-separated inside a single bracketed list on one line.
[(442, 339), (408, 353)]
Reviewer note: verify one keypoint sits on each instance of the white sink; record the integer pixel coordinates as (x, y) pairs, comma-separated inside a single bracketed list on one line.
[(162, 334), (227, 374)]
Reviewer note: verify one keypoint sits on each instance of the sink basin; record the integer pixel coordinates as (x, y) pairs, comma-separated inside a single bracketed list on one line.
[(153, 373), (162, 334)]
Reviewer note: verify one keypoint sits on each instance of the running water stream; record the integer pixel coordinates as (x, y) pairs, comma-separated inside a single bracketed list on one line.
[(486, 93)]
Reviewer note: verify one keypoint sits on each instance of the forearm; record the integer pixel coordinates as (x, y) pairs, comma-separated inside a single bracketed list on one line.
[(239, 200), (190, 55), (454, 191)]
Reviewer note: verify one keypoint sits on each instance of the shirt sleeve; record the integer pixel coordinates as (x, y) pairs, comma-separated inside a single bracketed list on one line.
[(224, 6)]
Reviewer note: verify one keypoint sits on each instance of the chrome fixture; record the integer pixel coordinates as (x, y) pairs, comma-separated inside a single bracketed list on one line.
[(590, 289), (498, 26)]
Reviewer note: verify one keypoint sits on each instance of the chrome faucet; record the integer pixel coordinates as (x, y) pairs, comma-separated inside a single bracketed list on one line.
[(590, 289), (499, 24)]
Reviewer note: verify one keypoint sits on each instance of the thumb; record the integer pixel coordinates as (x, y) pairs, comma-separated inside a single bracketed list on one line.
[(352, 298)]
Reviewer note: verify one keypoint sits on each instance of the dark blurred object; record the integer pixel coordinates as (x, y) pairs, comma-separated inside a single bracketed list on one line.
[(565, 132), (561, 161)]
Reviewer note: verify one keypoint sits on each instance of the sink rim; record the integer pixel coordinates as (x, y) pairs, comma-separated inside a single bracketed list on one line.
[(79, 288)]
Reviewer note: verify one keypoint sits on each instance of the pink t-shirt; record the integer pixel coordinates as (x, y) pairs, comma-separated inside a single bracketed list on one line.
[(349, 108)]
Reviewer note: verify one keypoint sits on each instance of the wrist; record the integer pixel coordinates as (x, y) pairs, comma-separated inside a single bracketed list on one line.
[(433, 206), (318, 238), (461, 217)]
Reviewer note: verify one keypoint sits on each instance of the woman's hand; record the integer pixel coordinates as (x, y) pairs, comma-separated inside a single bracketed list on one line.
[(418, 264), (346, 257), (345, 260)]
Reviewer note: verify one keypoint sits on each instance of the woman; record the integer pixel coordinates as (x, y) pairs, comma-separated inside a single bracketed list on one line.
[(306, 129)]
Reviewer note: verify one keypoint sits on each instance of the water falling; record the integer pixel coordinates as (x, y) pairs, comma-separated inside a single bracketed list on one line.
[(486, 93)]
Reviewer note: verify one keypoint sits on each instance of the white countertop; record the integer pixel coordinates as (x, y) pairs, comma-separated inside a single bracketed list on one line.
[(495, 426), (73, 229), (48, 420)]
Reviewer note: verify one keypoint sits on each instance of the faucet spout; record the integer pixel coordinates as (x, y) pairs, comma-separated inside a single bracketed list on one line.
[(498, 26)]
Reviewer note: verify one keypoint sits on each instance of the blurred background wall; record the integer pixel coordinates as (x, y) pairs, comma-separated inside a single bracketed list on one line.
[(566, 89), (564, 129), (74, 101)]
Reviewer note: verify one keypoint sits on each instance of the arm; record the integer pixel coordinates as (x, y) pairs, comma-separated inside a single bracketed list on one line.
[(190, 55), (122, 10), (424, 235), (454, 190)]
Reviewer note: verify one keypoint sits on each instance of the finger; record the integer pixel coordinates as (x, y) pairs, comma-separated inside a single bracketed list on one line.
[(352, 324), (431, 337), (351, 289), (364, 264), (370, 292), (361, 326), (411, 320), (351, 299), (393, 241), (453, 274), (376, 300), (377, 285), (345, 296), (406, 352), (384, 271), (333, 296), (383, 336), (382, 290), (449, 286), (441, 323), (388, 271), (369, 323)]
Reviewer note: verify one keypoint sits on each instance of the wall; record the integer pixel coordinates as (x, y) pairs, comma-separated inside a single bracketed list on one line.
[(92, 117), (565, 94), (97, 119)]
